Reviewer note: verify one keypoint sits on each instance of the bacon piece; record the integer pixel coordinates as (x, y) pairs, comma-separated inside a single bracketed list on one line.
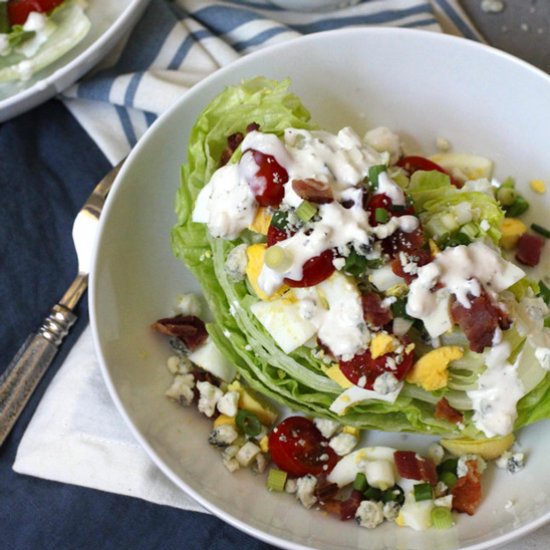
[(480, 320), (345, 509), (188, 328), (374, 312), (412, 466), (529, 249), (444, 411), (233, 142), (324, 490), (400, 241), (467, 490), (313, 190)]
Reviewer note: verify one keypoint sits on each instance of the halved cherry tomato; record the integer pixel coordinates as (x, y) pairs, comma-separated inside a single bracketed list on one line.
[(314, 271), (19, 10), (267, 184), (414, 163), (377, 201), (298, 447), (363, 365)]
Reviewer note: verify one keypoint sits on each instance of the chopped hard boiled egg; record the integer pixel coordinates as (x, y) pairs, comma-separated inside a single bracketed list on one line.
[(355, 395), (431, 370), (511, 231), (463, 166), (538, 186), (284, 322), (382, 344), (338, 376), (261, 221), (209, 357)]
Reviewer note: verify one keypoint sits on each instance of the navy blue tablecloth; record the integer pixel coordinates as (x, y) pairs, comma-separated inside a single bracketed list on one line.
[(48, 167)]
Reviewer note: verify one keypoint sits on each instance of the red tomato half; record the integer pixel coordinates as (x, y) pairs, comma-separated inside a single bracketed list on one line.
[(267, 184), (363, 365), (18, 10), (298, 447), (413, 163)]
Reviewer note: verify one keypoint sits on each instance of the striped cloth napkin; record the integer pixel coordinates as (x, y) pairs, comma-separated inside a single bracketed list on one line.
[(76, 435)]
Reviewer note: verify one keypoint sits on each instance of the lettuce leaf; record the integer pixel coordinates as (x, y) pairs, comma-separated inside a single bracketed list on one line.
[(69, 26), (298, 380), (444, 209)]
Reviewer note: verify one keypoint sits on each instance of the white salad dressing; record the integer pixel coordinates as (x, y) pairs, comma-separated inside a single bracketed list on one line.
[(499, 389), (462, 270)]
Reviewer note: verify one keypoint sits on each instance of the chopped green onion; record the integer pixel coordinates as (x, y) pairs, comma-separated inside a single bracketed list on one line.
[(374, 172), (277, 258), (470, 230), (456, 238), (306, 210), (360, 482), (423, 491), (540, 230), (442, 518), (356, 264), (399, 309), (517, 208), (280, 220), (544, 292), (248, 423), (276, 480), (394, 494), (372, 493), (547, 322), (381, 215), (506, 195), (20, 36), (448, 478), (5, 25), (448, 465), (508, 183)]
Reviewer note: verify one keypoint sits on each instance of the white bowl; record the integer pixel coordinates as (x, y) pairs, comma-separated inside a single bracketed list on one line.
[(420, 84), (110, 23)]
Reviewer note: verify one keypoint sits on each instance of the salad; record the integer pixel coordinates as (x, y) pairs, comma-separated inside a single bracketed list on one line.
[(361, 288), (35, 33)]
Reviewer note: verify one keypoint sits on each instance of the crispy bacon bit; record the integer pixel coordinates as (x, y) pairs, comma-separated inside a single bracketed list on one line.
[(374, 312), (313, 190), (324, 490), (233, 142), (412, 466), (444, 411), (529, 249), (467, 490), (480, 320), (399, 241), (188, 328), (345, 509)]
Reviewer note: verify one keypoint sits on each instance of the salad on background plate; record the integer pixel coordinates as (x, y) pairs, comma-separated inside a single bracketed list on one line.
[(35, 33), (361, 289)]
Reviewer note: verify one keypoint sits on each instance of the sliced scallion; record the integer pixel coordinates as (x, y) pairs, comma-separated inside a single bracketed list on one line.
[(442, 518), (448, 465), (5, 25), (280, 220), (374, 172), (372, 493), (423, 491), (276, 480), (506, 195), (277, 258), (448, 478), (547, 322), (517, 208), (540, 230), (544, 292), (360, 482), (306, 210), (381, 215), (356, 264), (393, 494), (248, 423)]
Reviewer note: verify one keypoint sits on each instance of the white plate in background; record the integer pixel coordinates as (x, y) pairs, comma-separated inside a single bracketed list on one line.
[(422, 85), (109, 23)]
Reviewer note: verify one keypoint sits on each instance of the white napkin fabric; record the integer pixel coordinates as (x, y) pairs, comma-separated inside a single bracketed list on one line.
[(76, 435)]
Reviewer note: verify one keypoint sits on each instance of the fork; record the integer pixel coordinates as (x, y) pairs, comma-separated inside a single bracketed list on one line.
[(34, 357)]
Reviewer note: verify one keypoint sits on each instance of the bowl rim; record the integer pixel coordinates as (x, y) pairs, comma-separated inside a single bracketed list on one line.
[(120, 181)]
